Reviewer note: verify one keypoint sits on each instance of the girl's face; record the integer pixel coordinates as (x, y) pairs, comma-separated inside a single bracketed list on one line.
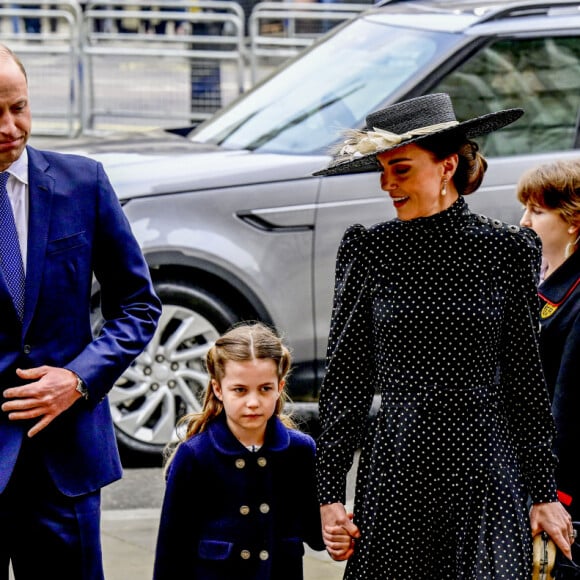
[(553, 230), (413, 178), (249, 392)]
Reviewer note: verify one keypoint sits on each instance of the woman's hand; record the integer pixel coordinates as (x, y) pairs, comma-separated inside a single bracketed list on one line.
[(338, 531), (556, 522)]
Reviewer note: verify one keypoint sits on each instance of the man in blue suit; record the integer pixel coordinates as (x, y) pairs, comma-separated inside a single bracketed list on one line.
[(57, 441)]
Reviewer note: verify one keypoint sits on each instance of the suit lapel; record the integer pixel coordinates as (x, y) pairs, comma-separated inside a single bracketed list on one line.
[(40, 191)]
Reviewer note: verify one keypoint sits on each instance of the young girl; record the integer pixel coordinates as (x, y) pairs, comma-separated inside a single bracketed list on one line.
[(240, 497)]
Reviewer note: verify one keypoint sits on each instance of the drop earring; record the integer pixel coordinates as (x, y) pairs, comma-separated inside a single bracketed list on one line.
[(444, 187)]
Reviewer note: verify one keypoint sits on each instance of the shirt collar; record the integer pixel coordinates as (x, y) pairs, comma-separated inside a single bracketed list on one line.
[(19, 168)]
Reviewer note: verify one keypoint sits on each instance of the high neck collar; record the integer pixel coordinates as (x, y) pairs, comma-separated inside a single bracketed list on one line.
[(448, 217)]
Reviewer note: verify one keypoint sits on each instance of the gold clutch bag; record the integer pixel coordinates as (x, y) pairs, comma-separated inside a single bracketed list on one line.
[(544, 557)]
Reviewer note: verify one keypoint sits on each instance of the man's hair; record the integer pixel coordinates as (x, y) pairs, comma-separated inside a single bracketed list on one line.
[(6, 53)]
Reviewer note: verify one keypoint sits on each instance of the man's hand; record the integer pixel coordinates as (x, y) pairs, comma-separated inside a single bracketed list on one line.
[(51, 392)]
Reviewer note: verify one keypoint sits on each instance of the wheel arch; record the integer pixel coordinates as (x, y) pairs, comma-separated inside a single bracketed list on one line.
[(212, 277)]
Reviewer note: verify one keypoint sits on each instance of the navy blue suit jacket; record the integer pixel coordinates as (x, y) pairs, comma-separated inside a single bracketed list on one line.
[(76, 230)]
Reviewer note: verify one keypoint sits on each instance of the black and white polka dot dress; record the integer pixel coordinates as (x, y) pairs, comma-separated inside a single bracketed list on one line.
[(439, 315)]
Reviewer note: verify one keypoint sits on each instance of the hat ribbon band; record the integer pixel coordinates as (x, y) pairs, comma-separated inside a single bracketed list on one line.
[(394, 139), (367, 142)]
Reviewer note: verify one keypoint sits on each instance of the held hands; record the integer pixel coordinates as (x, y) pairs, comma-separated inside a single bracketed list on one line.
[(51, 392), (338, 531), (556, 521)]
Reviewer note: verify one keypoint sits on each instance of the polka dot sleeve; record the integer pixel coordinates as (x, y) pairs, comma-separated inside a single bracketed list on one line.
[(348, 386), (522, 378)]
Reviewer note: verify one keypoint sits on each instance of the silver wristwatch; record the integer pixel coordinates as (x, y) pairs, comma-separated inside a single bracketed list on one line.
[(81, 388)]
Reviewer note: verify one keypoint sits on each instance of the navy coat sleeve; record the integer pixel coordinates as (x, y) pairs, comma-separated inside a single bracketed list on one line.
[(178, 532), (566, 406)]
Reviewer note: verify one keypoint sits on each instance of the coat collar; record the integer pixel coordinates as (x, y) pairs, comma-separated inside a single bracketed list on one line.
[(277, 436), (560, 285)]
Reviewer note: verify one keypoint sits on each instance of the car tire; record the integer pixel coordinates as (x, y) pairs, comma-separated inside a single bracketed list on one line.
[(168, 379)]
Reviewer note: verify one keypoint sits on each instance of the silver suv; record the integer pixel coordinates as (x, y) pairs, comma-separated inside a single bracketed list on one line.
[(235, 226)]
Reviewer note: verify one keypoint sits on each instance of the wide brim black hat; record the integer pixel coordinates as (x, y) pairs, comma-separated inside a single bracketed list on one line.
[(410, 121)]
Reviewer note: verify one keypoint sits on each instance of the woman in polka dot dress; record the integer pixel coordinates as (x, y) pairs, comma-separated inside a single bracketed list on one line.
[(437, 311)]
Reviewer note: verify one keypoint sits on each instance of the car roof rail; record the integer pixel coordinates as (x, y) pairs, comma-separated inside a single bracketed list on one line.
[(504, 10), (526, 8), (379, 3)]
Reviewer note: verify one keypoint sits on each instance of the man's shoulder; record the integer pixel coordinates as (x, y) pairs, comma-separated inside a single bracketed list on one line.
[(37, 156)]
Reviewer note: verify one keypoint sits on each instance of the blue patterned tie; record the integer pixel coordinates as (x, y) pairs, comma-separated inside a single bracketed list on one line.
[(10, 256)]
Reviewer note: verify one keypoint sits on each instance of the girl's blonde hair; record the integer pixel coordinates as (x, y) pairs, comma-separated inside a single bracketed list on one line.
[(243, 342)]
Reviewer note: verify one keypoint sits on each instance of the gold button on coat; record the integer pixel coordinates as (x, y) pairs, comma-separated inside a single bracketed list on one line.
[(264, 508), (245, 510), (264, 555), (245, 554), (240, 463), (262, 461)]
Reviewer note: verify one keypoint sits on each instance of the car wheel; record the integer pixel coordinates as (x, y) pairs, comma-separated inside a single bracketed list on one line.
[(168, 379)]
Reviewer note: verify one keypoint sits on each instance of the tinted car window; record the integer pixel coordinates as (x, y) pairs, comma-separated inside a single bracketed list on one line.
[(357, 69), (540, 75)]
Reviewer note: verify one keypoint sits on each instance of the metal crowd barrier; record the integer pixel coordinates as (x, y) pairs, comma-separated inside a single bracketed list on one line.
[(195, 60), (136, 64), (280, 30), (51, 58)]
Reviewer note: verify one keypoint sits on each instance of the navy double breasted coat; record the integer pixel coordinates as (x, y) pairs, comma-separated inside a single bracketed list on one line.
[(560, 351), (232, 513)]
